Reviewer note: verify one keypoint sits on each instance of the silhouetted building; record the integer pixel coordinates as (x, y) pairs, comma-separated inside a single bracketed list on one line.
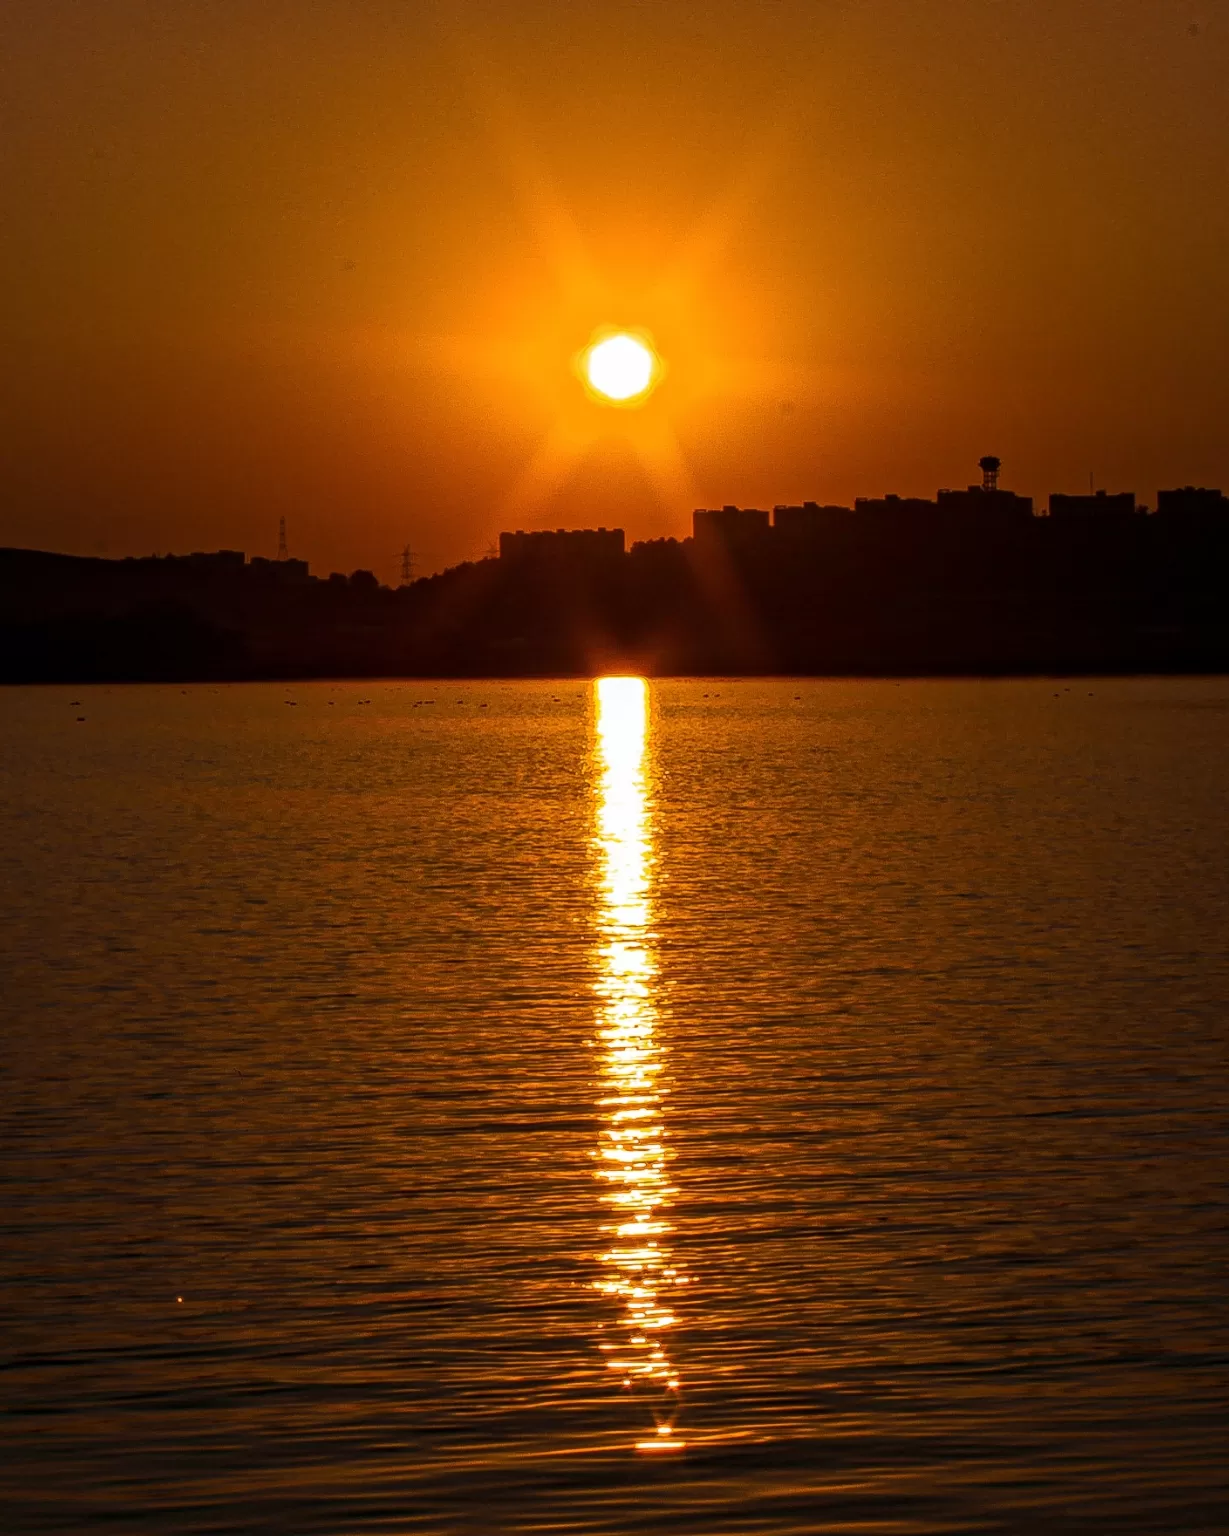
[(562, 544), (285, 572), (1081, 509), (730, 526), (222, 560), (894, 506), (807, 520), (1192, 504), (984, 504)]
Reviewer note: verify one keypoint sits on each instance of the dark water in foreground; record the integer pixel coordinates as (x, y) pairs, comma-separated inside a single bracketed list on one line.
[(797, 1108)]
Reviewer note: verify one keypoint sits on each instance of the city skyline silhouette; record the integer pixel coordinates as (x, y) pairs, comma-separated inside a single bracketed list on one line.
[(969, 581)]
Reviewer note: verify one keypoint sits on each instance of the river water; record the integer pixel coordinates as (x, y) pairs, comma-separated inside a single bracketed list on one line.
[(724, 1106)]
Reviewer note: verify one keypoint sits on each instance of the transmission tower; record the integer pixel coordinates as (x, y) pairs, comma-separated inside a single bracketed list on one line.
[(282, 552), (407, 566)]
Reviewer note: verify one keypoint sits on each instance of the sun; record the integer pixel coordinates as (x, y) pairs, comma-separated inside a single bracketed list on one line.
[(620, 368)]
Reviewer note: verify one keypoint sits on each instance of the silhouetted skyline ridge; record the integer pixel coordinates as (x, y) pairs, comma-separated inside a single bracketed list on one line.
[(971, 581)]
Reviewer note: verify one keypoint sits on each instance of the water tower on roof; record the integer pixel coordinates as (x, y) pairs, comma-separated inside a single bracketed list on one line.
[(990, 467)]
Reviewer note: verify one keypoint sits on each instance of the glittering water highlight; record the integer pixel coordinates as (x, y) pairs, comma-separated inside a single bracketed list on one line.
[(637, 1272), (892, 1015)]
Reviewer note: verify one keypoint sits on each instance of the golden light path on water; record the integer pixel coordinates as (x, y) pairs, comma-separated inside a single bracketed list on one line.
[(632, 1163)]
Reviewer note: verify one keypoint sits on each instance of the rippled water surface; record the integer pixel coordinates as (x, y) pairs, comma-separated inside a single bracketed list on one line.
[(549, 1107)]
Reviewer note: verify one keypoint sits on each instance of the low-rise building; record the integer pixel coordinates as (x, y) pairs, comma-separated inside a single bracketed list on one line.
[(894, 506), (1193, 504), (227, 560), (979, 504), (562, 544), (728, 525), (1082, 509), (807, 520), (286, 572)]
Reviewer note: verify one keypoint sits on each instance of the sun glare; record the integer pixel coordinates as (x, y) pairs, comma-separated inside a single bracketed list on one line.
[(621, 369)]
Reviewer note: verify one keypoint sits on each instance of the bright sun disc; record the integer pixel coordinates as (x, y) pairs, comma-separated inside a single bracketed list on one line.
[(620, 368)]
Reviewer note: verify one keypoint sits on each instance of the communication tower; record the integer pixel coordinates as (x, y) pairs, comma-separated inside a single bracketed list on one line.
[(282, 552), (990, 467)]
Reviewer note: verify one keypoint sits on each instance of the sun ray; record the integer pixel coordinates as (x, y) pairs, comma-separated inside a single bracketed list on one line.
[(709, 238), (553, 462), (539, 352), (556, 232), (662, 457)]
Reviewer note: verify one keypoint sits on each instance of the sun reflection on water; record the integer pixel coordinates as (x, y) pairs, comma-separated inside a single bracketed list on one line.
[(637, 1272)]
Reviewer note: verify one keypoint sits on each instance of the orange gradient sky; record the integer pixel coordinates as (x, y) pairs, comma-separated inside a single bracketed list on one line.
[(335, 261)]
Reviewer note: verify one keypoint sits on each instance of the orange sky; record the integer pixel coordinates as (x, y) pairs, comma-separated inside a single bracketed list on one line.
[(333, 261)]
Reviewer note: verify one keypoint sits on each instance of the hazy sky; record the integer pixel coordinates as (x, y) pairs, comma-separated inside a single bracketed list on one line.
[(332, 260)]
